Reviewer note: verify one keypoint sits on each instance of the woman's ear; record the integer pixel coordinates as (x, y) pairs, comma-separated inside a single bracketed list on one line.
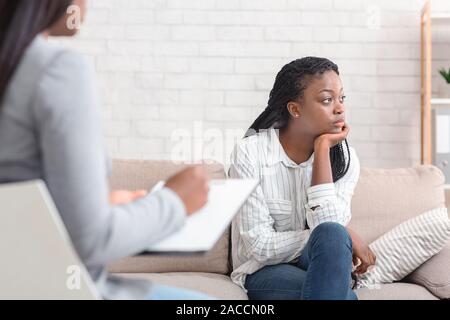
[(294, 109)]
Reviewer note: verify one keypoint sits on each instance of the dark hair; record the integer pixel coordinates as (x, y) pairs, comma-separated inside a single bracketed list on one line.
[(20, 22), (290, 85)]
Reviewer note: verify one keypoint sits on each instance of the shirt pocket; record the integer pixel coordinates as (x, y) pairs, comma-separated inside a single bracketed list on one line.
[(281, 212)]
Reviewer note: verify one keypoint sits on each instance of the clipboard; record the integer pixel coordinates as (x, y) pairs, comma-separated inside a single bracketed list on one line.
[(205, 227)]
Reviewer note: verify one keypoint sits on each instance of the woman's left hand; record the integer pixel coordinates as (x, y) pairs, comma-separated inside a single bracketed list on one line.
[(118, 197), (363, 253)]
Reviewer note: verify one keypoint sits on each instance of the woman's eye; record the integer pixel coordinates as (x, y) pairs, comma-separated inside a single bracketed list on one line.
[(343, 98), (327, 101)]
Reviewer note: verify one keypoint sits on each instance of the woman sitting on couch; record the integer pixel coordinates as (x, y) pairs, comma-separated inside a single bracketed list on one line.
[(290, 239)]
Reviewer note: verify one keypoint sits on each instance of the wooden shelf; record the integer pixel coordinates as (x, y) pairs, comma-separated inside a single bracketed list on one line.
[(427, 103)]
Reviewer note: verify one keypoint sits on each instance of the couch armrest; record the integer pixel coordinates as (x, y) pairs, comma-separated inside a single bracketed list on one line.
[(435, 274)]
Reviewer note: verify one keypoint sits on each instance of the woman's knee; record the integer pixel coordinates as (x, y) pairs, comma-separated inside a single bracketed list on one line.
[(332, 233)]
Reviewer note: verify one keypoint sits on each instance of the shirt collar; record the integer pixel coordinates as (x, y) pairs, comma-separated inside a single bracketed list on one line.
[(277, 154)]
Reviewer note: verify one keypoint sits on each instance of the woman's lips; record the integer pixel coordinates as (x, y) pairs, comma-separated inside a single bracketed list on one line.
[(339, 123)]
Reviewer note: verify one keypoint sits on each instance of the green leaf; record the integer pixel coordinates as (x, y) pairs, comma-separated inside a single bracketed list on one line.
[(445, 74)]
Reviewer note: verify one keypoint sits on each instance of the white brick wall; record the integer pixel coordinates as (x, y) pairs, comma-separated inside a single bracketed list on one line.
[(203, 69)]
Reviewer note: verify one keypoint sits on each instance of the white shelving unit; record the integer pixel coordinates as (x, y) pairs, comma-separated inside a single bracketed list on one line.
[(436, 102), (438, 16), (427, 102)]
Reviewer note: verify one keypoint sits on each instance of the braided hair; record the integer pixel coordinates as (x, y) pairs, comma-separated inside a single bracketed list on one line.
[(290, 85)]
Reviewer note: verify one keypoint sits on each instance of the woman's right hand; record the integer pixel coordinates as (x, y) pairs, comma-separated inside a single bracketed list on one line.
[(191, 185), (332, 139)]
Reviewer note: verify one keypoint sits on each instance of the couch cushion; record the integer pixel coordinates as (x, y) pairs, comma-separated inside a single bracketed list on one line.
[(215, 285), (395, 291), (144, 174), (384, 198), (222, 287), (435, 274), (215, 261)]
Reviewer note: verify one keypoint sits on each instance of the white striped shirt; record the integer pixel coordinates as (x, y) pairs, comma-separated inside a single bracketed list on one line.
[(272, 226)]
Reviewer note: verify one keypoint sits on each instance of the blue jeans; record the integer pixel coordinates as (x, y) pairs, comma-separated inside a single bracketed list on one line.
[(160, 292), (323, 271)]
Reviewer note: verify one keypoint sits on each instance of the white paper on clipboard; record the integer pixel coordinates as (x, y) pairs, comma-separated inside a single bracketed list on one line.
[(202, 229)]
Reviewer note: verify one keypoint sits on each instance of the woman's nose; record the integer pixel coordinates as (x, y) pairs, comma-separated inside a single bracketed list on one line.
[(339, 108)]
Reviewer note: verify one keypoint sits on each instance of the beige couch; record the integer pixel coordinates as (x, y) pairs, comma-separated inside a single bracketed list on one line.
[(382, 199)]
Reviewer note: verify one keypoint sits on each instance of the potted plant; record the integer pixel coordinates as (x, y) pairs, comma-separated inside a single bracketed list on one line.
[(445, 89)]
